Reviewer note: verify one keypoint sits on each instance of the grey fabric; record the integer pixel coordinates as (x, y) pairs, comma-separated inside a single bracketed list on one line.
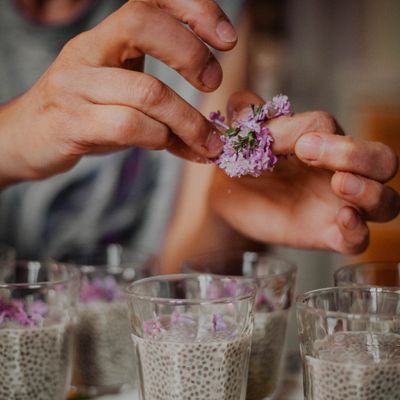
[(79, 210)]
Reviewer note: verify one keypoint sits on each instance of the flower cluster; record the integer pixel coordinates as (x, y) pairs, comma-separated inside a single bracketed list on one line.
[(14, 311), (247, 144), (104, 289)]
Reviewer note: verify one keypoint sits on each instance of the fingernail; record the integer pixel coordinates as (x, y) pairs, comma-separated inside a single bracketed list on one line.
[(226, 32), (351, 184), (350, 221), (309, 147), (212, 75), (214, 143)]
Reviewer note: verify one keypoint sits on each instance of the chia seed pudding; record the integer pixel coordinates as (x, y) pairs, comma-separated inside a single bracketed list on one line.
[(266, 353), (35, 361), (178, 364), (104, 352), (355, 366)]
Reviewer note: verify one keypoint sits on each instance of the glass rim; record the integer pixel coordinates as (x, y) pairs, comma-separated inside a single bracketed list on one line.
[(70, 268), (354, 266), (300, 305), (136, 259), (291, 266), (360, 265), (129, 291)]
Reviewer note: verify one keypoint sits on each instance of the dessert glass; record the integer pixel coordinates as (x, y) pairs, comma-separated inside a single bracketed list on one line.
[(37, 315), (275, 280), (103, 354), (192, 336), (382, 274), (350, 343)]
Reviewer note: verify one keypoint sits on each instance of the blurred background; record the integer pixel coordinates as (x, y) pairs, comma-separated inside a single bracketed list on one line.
[(343, 57)]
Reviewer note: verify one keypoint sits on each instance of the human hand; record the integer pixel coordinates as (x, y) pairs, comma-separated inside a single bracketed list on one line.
[(88, 102), (320, 196)]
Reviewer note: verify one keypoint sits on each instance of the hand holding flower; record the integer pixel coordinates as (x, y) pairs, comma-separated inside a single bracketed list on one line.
[(320, 196)]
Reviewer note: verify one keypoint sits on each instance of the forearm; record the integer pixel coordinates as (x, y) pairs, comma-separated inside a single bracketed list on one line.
[(195, 230)]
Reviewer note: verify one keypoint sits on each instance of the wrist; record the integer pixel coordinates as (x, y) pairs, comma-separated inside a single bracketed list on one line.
[(13, 165)]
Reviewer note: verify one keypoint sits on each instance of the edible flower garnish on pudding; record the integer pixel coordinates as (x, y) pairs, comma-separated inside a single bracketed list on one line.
[(105, 289), (15, 312)]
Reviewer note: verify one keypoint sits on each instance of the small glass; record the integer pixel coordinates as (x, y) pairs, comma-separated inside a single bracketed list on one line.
[(275, 280), (7, 259), (382, 274), (37, 316), (192, 336), (350, 343), (103, 354)]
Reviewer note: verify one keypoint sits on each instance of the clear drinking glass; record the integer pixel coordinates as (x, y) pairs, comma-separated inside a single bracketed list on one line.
[(275, 280), (383, 274), (350, 343), (192, 336), (104, 358), (37, 315), (7, 259)]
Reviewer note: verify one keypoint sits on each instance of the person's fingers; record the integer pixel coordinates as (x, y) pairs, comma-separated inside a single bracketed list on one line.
[(109, 127), (205, 18), (137, 29), (343, 153), (350, 234), (378, 202), (285, 130), (182, 150), (315, 138), (155, 99), (355, 232), (238, 104)]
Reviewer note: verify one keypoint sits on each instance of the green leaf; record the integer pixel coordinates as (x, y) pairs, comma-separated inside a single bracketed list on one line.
[(232, 132)]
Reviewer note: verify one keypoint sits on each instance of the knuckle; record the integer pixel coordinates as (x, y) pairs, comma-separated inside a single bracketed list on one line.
[(325, 121), (391, 162), (161, 138), (124, 128), (163, 141), (57, 80), (153, 92), (349, 152), (133, 16)]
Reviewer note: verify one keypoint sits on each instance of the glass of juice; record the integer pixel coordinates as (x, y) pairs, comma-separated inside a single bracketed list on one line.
[(192, 336), (350, 343), (103, 353), (382, 274), (37, 316), (274, 278)]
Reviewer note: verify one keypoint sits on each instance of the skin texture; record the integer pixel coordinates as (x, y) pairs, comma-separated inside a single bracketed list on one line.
[(320, 196), (308, 201), (89, 102)]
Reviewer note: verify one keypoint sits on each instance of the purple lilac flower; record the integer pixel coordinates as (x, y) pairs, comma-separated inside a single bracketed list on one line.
[(218, 323), (247, 144), (178, 318), (152, 327), (105, 289), (15, 311), (217, 119), (264, 301)]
